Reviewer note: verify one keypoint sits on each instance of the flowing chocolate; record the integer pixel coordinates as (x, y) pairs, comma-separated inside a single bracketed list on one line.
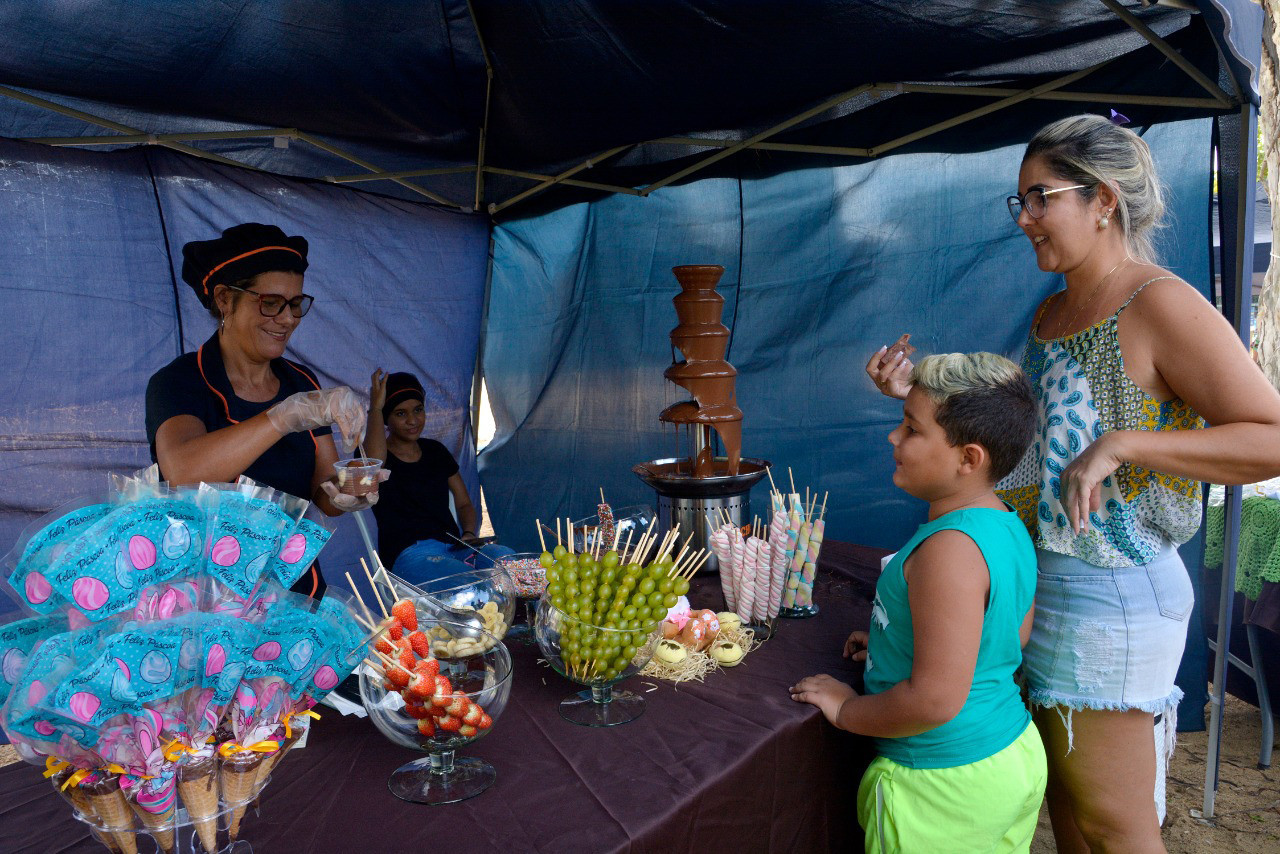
[(703, 341)]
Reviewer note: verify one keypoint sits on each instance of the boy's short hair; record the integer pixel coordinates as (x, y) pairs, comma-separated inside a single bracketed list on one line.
[(983, 399)]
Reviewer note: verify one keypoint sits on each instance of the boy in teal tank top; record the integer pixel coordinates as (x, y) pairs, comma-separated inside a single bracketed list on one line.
[(959, 765)]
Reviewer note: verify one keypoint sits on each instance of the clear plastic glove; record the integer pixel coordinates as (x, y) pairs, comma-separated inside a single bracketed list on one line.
[(350, 503), (308, 410)]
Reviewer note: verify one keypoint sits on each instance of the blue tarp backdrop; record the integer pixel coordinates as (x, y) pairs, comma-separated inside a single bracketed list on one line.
[(821, 267), (93, 305)]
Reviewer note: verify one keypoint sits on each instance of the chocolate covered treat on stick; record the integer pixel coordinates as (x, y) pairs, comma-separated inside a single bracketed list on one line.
[(902, 345)]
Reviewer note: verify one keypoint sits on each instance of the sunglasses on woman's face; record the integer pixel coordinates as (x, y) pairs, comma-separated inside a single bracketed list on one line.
[(270, 305)]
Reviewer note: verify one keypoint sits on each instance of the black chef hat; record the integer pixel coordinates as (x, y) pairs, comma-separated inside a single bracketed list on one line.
[(401, 387), (243, 251)]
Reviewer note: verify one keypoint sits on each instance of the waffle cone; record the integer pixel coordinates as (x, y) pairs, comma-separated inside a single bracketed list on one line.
[(159, 825), (114, 813), (273, 759), (79, 801), (200, 796), (239, 780)]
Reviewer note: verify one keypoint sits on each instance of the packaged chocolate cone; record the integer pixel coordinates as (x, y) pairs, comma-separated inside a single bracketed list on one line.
[(239, 780), (155, 802), (112, 810), (273, 759), (79, 801), (198, 787)]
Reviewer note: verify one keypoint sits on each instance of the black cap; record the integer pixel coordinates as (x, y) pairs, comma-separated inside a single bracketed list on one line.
[(243, 251), (401, 387)]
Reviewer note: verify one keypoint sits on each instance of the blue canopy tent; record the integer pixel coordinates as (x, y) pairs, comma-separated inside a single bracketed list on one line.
[(538, 167)]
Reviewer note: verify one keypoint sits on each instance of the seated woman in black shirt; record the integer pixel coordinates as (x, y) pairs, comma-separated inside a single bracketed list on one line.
[(236, 405), (416, 531)]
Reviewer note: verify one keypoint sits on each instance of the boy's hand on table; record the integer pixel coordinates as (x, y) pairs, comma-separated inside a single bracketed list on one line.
[(826, 692), (856, 646)]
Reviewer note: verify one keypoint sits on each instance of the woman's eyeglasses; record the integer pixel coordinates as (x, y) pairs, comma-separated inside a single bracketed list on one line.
[(1033, 201), (270, 305)]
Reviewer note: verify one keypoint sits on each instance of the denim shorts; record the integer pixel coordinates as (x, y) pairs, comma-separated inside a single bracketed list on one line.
[(1108, 638)]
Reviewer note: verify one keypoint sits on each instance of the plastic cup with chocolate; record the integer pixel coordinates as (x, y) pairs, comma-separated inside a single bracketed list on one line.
[(358, 476)]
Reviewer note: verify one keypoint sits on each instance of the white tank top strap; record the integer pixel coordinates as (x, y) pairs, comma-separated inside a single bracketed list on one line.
[(1133, 295)]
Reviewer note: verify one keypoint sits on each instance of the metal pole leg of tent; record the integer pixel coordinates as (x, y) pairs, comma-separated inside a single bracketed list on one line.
[(1264, 696), (1226, 602)]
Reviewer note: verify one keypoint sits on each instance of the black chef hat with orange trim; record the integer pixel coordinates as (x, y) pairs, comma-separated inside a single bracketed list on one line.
[(401, 387), (243, 251)]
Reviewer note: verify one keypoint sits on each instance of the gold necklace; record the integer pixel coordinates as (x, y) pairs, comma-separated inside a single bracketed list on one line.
[(1094, 293)]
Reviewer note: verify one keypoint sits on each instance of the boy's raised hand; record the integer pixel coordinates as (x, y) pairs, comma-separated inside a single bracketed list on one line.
[(826, 692), (892, 376), (856, 646)]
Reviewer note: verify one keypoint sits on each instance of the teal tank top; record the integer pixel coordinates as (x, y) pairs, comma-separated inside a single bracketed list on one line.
[(993, 716)]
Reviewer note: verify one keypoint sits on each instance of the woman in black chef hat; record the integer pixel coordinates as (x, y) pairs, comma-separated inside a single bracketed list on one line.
[(236, 405)]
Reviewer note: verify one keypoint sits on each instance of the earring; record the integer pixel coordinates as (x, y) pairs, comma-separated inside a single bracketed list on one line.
[(1105, 221), (222, 324)]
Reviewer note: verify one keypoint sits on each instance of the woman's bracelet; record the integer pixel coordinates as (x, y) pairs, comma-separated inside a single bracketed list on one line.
[(472, 533)]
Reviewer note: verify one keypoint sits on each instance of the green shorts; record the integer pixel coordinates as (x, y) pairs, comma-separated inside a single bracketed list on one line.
[(988, 805)]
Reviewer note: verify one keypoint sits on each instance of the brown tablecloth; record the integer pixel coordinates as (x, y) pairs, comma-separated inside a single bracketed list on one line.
[(732, 764)]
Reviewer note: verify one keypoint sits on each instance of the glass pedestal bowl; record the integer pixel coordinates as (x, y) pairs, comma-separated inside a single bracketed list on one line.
[(490, 593), (598, 657), (480, 679), (530, 579)]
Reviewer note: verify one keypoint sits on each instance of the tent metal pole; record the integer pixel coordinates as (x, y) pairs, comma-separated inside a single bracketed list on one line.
[(488, 92), (1240, 307), (760, 137), (155, 138), (1088, 97), (406, 173), (563, 178), (573, 182), (1223, 99), (699, 142), (359, 161), (876, 151), (89, 118)]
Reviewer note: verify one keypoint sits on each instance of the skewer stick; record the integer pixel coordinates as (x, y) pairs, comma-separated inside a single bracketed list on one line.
[(568, 535), (773, 487), (375, 666), (541, 541), (359, 598), (602, 501), (558, 541), (622, 558), (362, 621), (374, 585), (693, 567), (793, 480), (824, 506)]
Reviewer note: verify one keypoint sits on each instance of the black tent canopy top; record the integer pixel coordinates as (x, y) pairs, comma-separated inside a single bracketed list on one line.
[(489, 103)]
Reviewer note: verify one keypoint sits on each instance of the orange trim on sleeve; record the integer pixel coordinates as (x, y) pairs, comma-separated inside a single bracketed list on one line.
[(204, 283)]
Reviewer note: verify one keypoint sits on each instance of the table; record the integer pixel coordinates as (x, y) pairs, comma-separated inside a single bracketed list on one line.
[(729, 765)]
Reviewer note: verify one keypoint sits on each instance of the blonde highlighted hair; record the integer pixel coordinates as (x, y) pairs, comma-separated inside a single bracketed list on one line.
[(1092, 150), (981, 398)]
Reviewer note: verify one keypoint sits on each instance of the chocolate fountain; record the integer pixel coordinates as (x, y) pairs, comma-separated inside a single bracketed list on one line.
[(697, 492)]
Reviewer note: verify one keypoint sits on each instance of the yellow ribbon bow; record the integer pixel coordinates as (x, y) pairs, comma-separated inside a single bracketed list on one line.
[(288, 730), (74, 779), (173, 750), (229, 747), (53, 765)]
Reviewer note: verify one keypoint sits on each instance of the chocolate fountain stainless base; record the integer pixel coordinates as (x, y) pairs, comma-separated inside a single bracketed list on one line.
[(696, 503)]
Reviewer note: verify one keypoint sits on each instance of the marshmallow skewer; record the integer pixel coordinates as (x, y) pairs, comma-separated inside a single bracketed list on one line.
[(746, 579), (778, 562), (764, 561)]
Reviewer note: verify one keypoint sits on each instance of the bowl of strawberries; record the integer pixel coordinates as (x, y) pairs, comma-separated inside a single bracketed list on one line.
[(435, 704)]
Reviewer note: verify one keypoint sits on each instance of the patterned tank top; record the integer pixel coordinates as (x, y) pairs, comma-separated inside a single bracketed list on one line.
[(1083, 391)]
